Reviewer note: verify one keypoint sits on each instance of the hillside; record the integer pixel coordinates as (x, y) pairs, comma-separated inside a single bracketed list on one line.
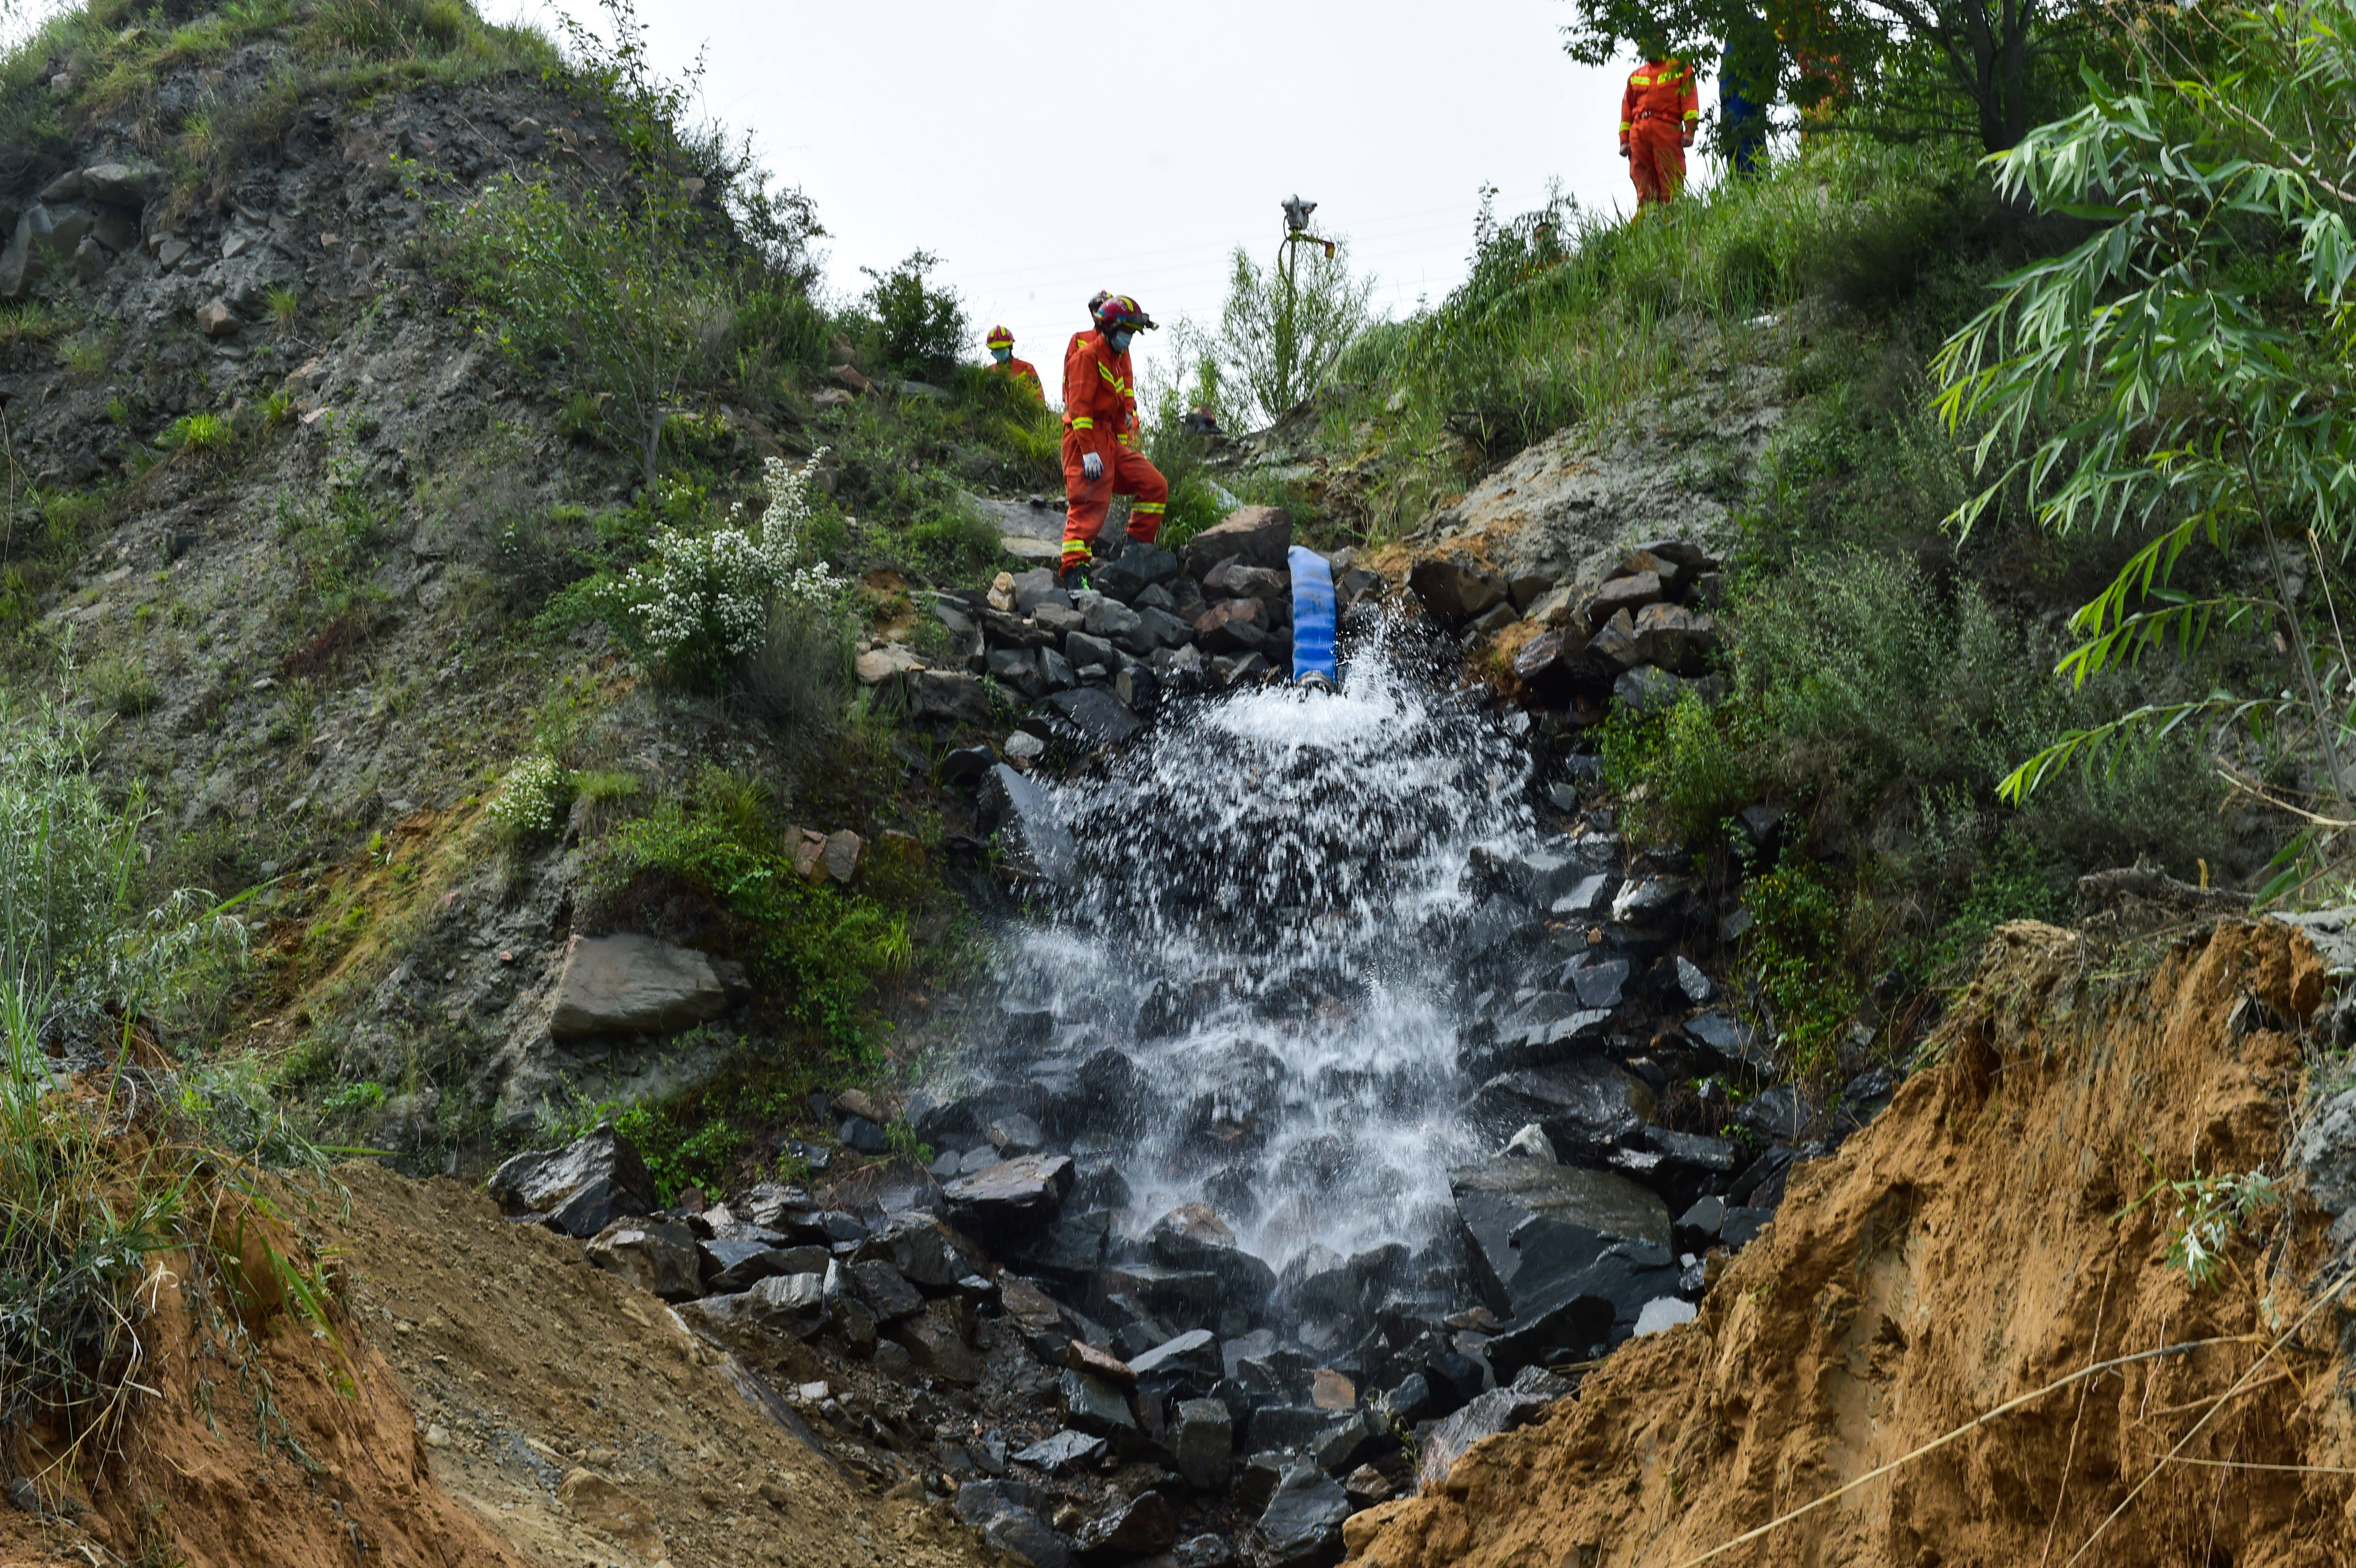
[(598, 964)]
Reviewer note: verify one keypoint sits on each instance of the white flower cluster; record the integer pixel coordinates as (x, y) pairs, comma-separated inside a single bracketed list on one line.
[(528, 800), (720, 585)]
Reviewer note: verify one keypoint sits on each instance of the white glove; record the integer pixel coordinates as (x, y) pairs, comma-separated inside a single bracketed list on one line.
[(1091, 466)]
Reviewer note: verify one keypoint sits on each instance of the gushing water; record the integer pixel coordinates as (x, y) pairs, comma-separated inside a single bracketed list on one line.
[(1259, 907)]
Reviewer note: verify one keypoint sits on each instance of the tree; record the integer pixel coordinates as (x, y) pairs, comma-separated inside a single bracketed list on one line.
[(1990, 59), (2184, 373), (1283, 329), (923, 329)]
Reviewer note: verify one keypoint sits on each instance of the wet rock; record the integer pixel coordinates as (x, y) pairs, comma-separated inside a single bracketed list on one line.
[(1096, 1406), (1587, 1106), (1101, 718), (1070, 1248), (1775, 1112), (1235, 626), (1651, 900), (1133, 570), (1365, 1487), (1194, 1353), (1080, 1356), (1741, 1226), (657, 1257), (862, 1137), (792, 1304), (1143, 1525), (1014, 1196), (886, 1291), (930, 1255), (1456, 588), (1694, 1150), (1302, 1525), (1590, 895), (1027, 1538), (1528, 1225), (1531, 1143), (1410, 1402), (935, 1340), (1063, 1453), (1731, 1038), (1259, 535), (1598, 982), (580, 1188), (1683, 981), (729, 1264), (1202, 1443), (1698, 1228), (634, 985), (1499, 1410), (1194, 1238)]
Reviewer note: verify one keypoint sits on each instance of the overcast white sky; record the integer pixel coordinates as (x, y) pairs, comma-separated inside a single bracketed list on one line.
[(1045, 150)]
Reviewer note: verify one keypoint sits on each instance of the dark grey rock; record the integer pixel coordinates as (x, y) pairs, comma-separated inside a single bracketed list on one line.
[(1456, 588), (1194, 1352), (1260, 536), (1698, 1228), (1024, 1536), (1585, 1105), (1159, 629), (1499, 1410), (1112, 619), (1037, 587), (1302, 1525), (1101, 718), (582, 1188), (1410, 1402), (1730, 1039), (1589, 896), (1693, 1151), (1084, 650), (1094, 1406), (864, 1136), (1529, 1225), (1202, 1443), (1195, 1239), (1138, 1527), (1135, 570), (1016, 1196), (1599, 982), (978, 1502), (927, 1253), (886, 1291), (1742, 1225), (1064, 1452), (731, 1264)]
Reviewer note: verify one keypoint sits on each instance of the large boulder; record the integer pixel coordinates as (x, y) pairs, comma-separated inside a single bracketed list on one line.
[(1301, 1526), (580, 1188), (1587, 1105), (1529, 1225), (1014, 1197), (1262, 536), (123, 185), (1133, 570), (1101, 718), (1127, 1532), (936, 1259), (657, 1257), (1202, 1443), (634, 985), (1455, 587), (1675, 638), (1194, 1237), (943, 696)]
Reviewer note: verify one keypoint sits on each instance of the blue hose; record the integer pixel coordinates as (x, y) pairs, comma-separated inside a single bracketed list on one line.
[(1313, 615)]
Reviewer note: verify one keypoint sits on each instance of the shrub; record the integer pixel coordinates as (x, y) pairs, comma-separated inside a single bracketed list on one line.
[(707, 600), (922, 329), (1796, 953), (199, 433), (535, 790)]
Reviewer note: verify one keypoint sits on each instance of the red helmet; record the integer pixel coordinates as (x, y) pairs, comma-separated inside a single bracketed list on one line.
[(1000, 338), (1114, 312)]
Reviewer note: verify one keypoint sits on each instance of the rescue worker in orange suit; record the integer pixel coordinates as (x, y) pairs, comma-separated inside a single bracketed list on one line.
[(1100, 437), (1658, 115), (1002, 354)]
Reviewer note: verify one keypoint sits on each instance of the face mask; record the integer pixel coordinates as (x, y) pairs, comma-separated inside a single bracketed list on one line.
[(1119, 341), (1002, 355)]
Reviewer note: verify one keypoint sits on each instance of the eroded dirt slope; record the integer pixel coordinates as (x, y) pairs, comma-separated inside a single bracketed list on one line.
[(1969, 1249)]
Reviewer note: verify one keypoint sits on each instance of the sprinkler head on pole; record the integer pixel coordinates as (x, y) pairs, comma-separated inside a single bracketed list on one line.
[(1296, 215)]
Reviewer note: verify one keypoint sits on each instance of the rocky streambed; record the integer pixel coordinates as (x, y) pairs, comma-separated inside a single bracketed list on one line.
[(1351, 1088)]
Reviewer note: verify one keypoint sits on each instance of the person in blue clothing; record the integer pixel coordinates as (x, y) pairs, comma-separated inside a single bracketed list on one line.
[(1746, 86)]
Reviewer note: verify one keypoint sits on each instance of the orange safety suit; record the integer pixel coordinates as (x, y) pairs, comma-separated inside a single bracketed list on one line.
[(1021, 370), (1657, 117), (1100, 416)]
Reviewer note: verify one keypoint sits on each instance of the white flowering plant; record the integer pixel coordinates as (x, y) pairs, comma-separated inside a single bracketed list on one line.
[(706, 600), (529, 797)]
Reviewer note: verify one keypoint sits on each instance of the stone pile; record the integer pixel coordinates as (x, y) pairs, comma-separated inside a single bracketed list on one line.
[(1090, 664)]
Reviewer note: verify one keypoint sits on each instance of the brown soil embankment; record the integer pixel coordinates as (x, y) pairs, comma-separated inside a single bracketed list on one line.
[(1981, 1240)]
